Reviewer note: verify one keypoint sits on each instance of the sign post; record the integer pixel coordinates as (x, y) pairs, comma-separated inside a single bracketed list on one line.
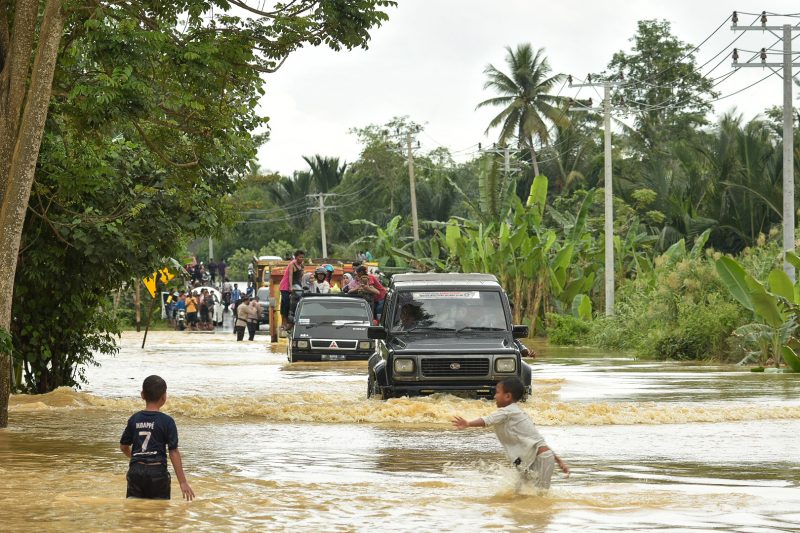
[(153, 282)]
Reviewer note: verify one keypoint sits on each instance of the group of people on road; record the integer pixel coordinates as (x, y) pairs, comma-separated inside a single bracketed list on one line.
[(206, 274), (201, 310)]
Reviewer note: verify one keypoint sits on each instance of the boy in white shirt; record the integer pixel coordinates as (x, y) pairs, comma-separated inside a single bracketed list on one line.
[(515, 430)]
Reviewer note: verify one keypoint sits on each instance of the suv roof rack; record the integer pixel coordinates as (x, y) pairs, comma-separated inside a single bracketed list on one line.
[(442, 277)]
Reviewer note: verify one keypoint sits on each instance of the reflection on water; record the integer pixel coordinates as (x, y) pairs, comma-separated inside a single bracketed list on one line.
[(269, 445)]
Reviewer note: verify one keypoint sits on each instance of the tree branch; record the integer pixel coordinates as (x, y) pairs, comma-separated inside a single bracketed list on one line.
[(273, 14), (152, 146)]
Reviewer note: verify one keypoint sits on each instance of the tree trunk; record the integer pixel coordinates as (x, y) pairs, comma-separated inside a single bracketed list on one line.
[(533, 157), (536, 303), (137, 304), (25, 88)]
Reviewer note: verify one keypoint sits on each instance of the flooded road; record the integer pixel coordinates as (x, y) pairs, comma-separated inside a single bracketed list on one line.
[(272, 446)]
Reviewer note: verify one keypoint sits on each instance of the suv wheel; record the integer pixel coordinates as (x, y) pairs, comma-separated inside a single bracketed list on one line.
[(373, 389)]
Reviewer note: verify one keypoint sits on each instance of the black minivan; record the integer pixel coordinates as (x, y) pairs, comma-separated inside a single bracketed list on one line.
[(331, 328)]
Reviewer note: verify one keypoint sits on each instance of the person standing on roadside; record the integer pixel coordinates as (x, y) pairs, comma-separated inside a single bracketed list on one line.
[(244, 317), (293, 275), (221, 268), (191, 311), (212, 271), (252, 325), (236, 294)]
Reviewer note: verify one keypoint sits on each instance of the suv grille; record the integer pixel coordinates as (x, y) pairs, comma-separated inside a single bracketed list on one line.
[(455, 367)]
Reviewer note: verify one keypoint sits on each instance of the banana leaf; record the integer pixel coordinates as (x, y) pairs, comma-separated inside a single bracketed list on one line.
[(780, 284), (734, 278), (765, 304), (582, 307), (791, 358)]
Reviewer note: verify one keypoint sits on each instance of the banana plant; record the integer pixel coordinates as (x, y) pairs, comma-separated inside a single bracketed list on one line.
[(536, 264), (776, 307)]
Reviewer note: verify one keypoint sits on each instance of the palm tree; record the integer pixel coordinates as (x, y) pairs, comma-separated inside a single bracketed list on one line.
[(326, 171), (525, 99)]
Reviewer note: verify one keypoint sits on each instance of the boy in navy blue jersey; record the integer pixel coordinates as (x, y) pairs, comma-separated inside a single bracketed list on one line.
[(146, 438)]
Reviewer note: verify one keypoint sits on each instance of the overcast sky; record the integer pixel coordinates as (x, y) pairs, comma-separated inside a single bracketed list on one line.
[(427, 62)]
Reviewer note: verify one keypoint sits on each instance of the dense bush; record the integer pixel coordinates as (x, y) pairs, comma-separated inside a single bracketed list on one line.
[(682, 310), (566, 329)]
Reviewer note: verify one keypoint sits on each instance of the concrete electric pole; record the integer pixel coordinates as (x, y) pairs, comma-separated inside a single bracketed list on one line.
[(321, 207), (412, 183), (788, 120), (607, 185)]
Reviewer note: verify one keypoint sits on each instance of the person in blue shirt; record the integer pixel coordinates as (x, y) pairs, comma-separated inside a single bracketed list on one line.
[(146, 439), (236, 294)]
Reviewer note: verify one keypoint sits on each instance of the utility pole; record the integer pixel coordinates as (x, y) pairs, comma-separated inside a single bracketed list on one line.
[(210, 249), (321, 207), (788, 121), (508, 170), (607, 185), (412, 183)]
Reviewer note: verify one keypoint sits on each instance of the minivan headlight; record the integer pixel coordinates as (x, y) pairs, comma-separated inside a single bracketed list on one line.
[(365, 345), (505, 365), (404, 365)]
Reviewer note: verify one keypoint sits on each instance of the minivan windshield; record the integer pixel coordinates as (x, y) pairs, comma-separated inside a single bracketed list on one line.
[(449, 311), (317, 310)]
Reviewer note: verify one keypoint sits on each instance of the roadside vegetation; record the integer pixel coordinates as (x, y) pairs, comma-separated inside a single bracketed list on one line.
[(139, 165)]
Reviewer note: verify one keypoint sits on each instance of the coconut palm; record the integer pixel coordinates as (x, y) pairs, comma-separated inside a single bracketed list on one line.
[(326, 171), (525, 98)]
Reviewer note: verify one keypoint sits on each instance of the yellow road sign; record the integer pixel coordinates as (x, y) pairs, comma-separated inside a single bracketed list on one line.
[(166, 275), (163, 275)]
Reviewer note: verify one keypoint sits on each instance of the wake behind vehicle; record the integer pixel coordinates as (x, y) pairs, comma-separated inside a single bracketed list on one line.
[(445, 333), (331, 328)]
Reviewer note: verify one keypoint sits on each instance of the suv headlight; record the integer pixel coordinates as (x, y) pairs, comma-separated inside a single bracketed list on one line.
[(301, 344), (403, 365), (505, 365), (365, 345)]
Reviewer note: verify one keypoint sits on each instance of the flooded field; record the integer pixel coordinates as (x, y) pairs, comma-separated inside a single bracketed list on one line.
[(273, 446)]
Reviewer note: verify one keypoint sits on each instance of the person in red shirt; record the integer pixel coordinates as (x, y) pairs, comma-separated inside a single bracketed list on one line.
[(374, 282)]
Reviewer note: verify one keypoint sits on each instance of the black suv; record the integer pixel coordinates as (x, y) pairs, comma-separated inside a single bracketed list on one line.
[(331, 328), (445, 333)]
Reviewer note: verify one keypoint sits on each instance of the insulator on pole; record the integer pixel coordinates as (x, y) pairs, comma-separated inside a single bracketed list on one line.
[(735, 54), (479, 147), (569, 79), (735, 18), (763, 18), (589, 78), (763, 55)]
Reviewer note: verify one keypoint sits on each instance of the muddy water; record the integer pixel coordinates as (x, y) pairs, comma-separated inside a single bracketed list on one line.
[(272, 446)]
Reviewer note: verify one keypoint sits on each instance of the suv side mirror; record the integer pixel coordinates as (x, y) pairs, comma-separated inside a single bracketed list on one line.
[(378, 332), (519, 331)]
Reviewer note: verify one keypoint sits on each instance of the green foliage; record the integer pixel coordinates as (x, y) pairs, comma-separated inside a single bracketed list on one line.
[(566, 330), (582, 307), (137, 161), (524, 98), (680, 310), (6, 344), (700, 331), (776, 307)]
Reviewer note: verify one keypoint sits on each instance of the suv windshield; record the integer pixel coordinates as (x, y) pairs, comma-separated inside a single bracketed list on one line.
[(318, 310), (449, 311)]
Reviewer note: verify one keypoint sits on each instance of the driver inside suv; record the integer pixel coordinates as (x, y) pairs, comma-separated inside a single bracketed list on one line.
[(410, 316)]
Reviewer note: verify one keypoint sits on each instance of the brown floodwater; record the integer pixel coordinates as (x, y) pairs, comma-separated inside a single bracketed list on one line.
[(273, 446)]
